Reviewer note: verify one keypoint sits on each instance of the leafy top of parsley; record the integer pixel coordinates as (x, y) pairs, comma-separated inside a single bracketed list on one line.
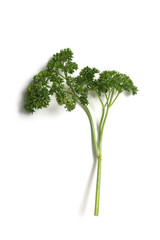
[(57, 78)]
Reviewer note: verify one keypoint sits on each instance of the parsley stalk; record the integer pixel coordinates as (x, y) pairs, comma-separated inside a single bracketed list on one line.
[(99, 158), (57, 78)]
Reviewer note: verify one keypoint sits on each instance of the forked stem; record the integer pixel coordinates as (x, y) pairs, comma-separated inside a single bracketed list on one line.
[(98, 147)]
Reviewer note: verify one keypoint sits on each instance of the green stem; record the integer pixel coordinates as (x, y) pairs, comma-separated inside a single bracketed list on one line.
[(92, 129), (101, 121), (101, 132), (98, 184), (115, 99), (107, 98), (99, 98), (101, 128), (96, 210), (61, 75), (109, 103)]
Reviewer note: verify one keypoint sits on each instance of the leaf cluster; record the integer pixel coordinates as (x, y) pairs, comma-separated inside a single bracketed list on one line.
[(109, 80), (58, 79)]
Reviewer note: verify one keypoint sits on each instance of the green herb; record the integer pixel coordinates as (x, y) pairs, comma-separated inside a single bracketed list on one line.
[(58, 79)]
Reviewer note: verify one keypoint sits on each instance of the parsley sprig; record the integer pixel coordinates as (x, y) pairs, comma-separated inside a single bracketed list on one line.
[(58, 79)]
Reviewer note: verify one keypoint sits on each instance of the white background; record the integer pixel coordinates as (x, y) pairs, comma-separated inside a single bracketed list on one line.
[(47, 170)]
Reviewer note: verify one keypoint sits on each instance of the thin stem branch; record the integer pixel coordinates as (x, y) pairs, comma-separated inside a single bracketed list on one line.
[(107, 98), (101, 121), (61, 75), (111, 98), (92, 129), (104, 120), (101, 132), (68, 90), (99, 98), (115, 98)]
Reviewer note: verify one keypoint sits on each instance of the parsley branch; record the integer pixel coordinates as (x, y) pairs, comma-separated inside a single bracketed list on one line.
[(111, 97), (92, 129), (115, 98), (70, 91), (99, 98), (61, 75), (107, 97), (101, 121)]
